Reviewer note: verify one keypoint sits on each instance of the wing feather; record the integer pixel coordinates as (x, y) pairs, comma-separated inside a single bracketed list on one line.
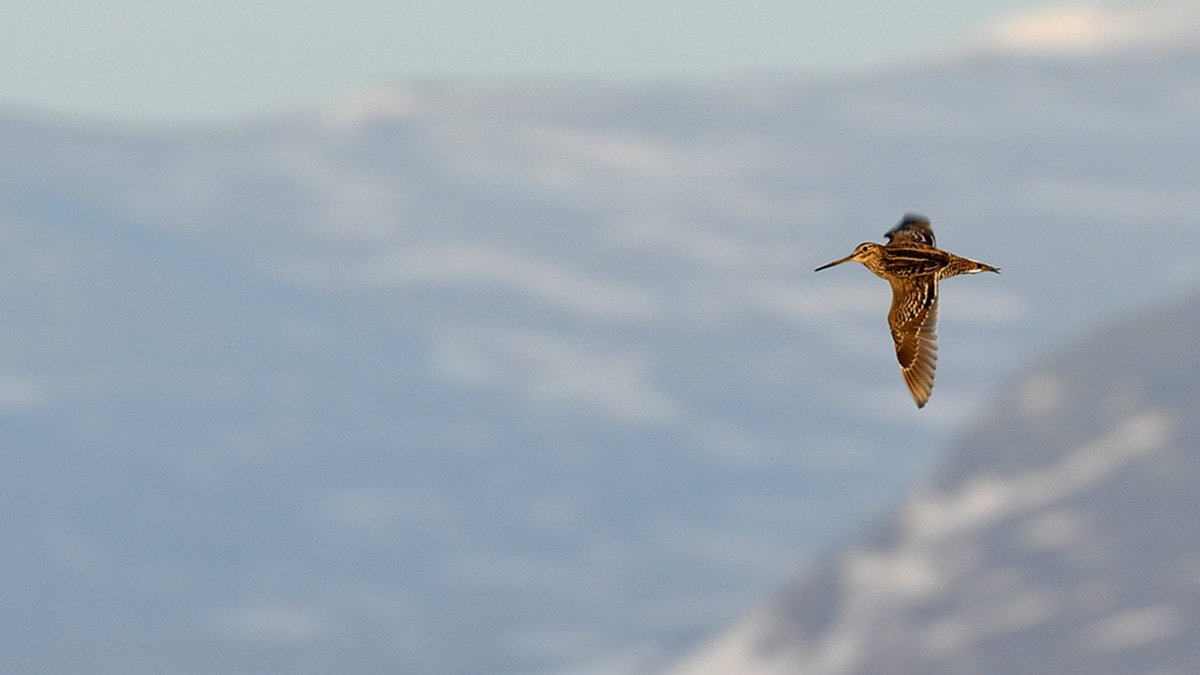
[(913, 320), (913, 227)]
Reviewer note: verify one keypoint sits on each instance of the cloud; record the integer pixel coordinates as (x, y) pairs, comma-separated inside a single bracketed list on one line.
[(493, 269), (1136, 628), (1110, 201), (364, 107), (1087, 30), (982, 306), (20, 392), (550, 372), (658, 234), (270, 623), (805, 306), (373, 509), (1061, 530), (606, 167), (377, 509), (1041, 397)]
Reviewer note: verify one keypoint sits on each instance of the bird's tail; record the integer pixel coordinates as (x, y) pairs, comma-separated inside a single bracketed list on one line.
[(959, 266)]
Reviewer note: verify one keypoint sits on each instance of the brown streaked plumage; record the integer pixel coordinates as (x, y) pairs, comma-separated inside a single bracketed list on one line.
[(913, 265)]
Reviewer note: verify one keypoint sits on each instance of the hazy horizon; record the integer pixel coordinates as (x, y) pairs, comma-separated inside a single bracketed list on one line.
[(223, 61)]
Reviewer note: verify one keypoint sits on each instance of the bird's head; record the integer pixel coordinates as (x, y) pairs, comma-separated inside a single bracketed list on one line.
[(864, 252)]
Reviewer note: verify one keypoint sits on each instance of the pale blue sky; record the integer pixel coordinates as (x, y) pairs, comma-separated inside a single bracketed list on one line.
[(205, 61)]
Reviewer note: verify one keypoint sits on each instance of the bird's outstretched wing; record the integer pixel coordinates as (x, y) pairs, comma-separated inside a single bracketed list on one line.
[(912, 227), (913, 320)]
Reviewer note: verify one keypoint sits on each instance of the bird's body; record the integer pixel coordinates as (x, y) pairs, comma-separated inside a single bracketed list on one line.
[(913, 264)]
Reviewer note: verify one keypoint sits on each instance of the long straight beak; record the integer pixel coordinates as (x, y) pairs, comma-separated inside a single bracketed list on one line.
[(835, 262)]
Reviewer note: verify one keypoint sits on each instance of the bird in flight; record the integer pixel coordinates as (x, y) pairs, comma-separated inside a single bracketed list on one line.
[(913, 264)]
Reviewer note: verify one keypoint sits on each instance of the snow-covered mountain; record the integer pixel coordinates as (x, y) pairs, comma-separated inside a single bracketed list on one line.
[(457, 379), (1058, 538)]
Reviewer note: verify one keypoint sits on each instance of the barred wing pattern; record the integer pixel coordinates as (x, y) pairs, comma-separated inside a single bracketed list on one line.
[(913, 320), (914, 228)]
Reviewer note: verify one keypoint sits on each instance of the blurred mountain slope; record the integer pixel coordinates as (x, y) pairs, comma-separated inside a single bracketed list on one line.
[(1057, 537)]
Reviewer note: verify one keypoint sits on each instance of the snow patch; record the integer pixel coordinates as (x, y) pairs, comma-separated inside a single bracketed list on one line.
[(907, 572), (738, 651), (954, 635), (987, 499)]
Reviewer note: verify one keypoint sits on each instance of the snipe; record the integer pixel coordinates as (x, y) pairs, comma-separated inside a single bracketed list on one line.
[(913, 264)]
